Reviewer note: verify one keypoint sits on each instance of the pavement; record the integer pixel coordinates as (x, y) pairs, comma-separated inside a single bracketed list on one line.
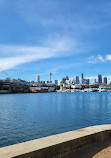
[(94, 150)]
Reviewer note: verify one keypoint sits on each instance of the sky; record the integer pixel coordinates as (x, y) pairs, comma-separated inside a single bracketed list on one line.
[(65, 37)]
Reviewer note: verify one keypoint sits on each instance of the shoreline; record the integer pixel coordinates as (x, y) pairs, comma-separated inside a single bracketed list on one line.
[(52, 92)]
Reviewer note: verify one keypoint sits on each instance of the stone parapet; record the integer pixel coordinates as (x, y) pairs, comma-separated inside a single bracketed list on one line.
[(57, 146)]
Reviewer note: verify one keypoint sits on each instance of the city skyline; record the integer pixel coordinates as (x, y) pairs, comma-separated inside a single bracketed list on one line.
[(62, 37), (66, 79), (6, 75)]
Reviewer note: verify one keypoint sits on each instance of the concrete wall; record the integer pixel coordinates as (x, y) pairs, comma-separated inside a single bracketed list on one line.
[(59, 145)]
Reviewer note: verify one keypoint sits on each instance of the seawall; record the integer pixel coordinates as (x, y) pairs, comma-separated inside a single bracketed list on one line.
[(57, 146)]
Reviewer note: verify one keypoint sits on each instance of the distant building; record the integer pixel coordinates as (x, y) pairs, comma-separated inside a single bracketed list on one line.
[(76, 80), (32, 82), (56, 82), (94, 81), (105, 80), (82, 78), (77, 86), (85, 81), (49, 82), (99, 78), (38, 79), (43, 82), (7, 79), (67, 77), (63, 80), (68, 82), (64, 85), (60, 83)]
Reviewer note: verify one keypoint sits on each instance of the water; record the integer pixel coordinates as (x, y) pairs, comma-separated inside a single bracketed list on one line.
[(25, 117)]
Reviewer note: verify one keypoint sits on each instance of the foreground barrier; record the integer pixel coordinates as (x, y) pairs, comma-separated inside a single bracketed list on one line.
[(58, 145)]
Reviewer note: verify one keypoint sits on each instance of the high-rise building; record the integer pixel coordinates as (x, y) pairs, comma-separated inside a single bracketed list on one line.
[(94, 81), (76, 80), (82, 78), (86, 81), (60, 83), (56, 82), (99, 78), (63, 80), (38, 79), (105, 80), (67, 77)]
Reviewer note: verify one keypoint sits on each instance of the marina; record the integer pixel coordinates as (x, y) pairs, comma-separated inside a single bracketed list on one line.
[(84, 90)]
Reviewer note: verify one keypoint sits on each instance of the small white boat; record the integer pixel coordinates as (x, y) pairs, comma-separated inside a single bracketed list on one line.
[(102, 90)]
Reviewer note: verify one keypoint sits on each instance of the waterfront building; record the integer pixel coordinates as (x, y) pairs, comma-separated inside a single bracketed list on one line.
[(77, 86), (48, 82), (32, 82), (76, 80), (38, 79), (64, 85), (60, 83), (99, 79), (43, 82), (82, 78), (7, 80), (105, 80), (67, 82)]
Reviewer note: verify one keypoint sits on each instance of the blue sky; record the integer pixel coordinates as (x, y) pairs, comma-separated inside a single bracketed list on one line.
[(65, 37)]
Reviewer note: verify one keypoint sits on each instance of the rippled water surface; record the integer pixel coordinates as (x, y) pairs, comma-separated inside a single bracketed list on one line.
[(29, 116)]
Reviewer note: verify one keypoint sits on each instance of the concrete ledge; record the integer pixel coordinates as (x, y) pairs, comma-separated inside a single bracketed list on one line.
[(58, 145)]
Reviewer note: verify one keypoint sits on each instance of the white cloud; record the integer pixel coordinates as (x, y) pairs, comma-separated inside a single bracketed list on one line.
[(99, 59), (11, 56), (108, 57), (96, 59)]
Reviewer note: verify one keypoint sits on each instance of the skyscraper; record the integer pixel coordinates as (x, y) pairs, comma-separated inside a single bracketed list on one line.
[(63, 80), (56, 82), (76, 80), (37, 78), (94, 80), (82, 78), (99, 78), (67, 77), (86, 81), (105, 80)]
